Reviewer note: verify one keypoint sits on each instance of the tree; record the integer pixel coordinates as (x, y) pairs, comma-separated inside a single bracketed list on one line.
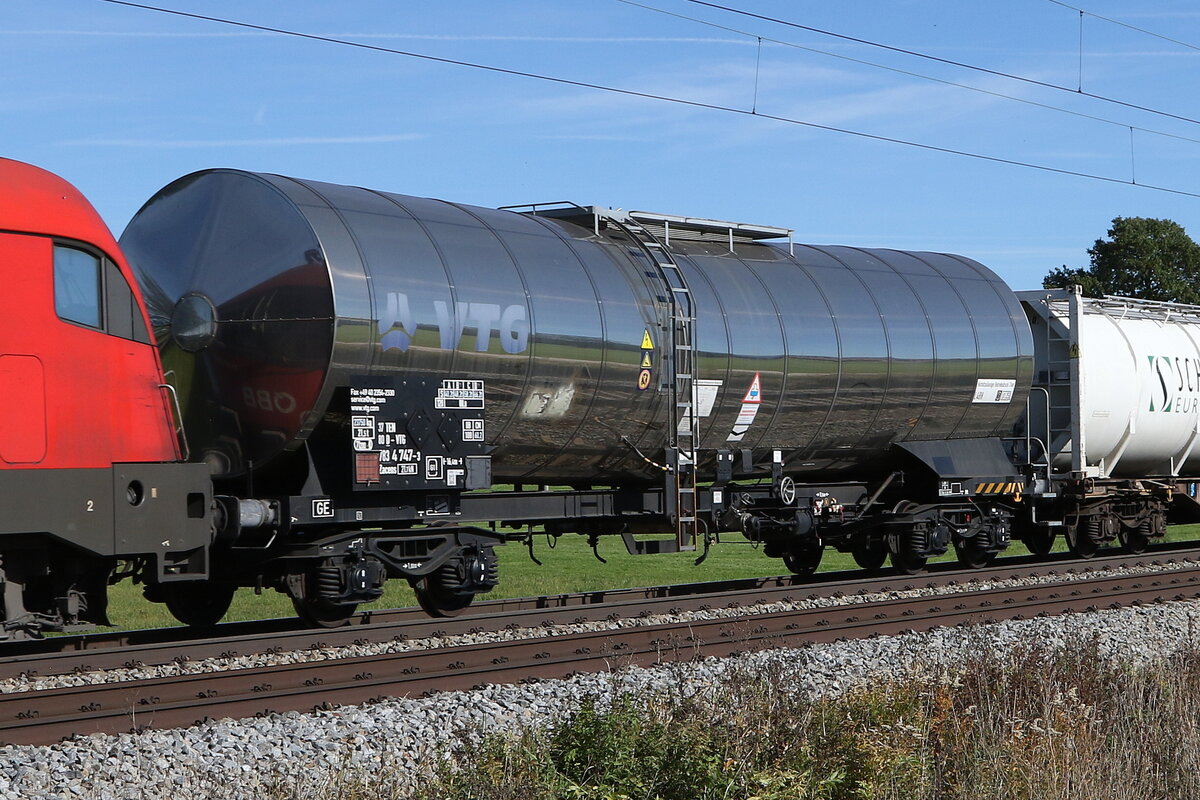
[(1153, 259)]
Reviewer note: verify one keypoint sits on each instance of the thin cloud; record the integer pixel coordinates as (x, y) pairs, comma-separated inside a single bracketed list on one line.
[(568, 39), (266, 142), (139, 34), (591, 137), (398, 37), (1160, 14), (1087, 54)]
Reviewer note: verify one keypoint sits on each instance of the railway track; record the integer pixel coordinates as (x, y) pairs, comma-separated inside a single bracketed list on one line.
[(148, 648), (45, 716)]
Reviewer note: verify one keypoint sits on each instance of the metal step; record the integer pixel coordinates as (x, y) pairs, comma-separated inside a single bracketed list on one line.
[(654, 546)]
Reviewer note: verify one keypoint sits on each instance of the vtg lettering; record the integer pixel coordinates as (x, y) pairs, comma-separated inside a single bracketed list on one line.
[(397, 325)]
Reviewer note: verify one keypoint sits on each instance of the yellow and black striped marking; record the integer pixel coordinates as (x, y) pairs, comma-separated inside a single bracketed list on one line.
[(998, 488)]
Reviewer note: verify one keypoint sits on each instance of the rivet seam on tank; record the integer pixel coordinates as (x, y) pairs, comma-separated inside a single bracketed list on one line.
[(749, 410)]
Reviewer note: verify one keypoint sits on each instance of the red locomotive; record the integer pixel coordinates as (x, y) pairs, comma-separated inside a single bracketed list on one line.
[(89, 451)]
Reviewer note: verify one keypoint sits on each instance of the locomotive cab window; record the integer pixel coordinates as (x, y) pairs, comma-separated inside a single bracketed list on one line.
[(123, 317), (77, 286), (91, 291)]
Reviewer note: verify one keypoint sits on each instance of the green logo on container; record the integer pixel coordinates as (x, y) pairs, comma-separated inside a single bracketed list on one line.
[(1175, 384)]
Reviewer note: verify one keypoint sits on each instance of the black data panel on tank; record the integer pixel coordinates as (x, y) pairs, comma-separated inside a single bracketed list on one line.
[(418, 433)]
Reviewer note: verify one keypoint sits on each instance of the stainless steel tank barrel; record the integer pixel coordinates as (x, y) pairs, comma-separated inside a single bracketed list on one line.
[(269, 293)]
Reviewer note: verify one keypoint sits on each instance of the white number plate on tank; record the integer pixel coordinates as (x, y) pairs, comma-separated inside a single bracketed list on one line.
[(994, 390)]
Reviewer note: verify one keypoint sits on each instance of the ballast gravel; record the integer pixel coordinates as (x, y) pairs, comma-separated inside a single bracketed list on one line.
[(32, 682), (304, 755)]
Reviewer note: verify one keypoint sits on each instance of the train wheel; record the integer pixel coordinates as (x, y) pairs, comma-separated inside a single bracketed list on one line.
[(805, 562), (437, 600), (908, 563), (320, 613), (869, 554), (1078, 542), (197, 603), (1135, 541), (1040, 541), (972, 556)]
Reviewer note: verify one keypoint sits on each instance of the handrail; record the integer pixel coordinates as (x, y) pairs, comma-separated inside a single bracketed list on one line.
[(180, 433)]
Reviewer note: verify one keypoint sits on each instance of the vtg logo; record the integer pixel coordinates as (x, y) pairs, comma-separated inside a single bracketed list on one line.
[(1175, 384), (397, 325)]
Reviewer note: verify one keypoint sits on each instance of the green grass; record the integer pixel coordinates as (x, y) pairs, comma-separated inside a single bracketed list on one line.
[(568, 567)]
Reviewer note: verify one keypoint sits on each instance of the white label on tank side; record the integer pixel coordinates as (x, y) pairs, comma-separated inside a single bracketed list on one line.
[(705, 392), (744, 420), (704, 397), (994, 390), (749, 410)]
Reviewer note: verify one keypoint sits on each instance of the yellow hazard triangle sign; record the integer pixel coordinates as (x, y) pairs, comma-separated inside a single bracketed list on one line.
[(647, 342)]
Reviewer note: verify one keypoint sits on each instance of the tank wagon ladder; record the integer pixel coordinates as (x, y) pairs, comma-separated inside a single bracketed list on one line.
[(680, 493), (1060, 313), (683, 438)]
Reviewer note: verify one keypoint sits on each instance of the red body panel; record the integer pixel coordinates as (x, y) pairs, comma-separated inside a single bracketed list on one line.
[(99, 395)]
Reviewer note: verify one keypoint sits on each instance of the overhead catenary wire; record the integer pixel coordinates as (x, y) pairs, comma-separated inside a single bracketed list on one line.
[(698, 104), (1155, 34), (948, 61), (909, 73)]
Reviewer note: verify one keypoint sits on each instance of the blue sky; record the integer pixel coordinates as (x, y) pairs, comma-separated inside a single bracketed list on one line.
[(120, 101)]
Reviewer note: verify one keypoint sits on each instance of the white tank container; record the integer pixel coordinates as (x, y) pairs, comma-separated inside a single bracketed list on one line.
[(1116, 385)]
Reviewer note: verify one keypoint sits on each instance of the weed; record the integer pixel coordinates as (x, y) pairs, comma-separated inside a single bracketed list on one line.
[(1034, 722)]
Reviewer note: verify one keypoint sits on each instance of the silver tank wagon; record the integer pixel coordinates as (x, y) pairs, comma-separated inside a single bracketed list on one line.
[(269, 294)]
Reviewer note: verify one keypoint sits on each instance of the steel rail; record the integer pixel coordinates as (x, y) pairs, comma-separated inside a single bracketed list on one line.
[(407, 624), (42, 717)]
